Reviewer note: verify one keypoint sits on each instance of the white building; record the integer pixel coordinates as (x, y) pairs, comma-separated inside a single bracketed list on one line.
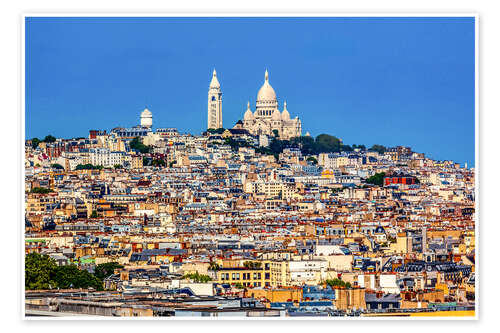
[(332, 160), (105, 157), (267, 118), (146, 118), (386, 283), (214, 103), (307, 271)]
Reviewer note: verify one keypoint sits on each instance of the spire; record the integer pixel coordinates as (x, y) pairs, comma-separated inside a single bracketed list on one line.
[(215, 82), (285, 115), (248, 105), (266, 75)]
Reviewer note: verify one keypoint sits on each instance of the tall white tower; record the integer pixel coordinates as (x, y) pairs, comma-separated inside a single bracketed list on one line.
[(214, 103)]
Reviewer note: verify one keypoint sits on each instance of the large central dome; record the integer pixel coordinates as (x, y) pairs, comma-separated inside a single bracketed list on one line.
[(266, 92)]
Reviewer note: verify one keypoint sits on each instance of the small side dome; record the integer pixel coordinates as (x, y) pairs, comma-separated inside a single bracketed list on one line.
[(285, 115), (248, 114)]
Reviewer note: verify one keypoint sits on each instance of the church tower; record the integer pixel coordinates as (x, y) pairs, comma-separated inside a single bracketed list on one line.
[(214, 103)]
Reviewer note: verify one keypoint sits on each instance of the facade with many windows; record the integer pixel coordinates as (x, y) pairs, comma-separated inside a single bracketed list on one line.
[(105, 157)]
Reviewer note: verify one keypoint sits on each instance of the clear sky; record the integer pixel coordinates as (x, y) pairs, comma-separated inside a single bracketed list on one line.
[(389, 81)]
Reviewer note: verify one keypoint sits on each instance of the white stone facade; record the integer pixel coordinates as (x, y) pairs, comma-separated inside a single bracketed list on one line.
[(267, 118), (105, 157), (146, 118), (214, 103)]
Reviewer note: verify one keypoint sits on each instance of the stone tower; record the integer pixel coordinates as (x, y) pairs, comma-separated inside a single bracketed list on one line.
[(214, 103)]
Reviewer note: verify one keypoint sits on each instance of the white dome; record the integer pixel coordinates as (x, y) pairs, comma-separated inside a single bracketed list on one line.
[(146, 113), (248, 114), (285, 115), (214, 83), (266, 92)]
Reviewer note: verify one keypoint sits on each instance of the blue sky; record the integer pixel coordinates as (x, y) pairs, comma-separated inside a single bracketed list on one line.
[(389, 81)]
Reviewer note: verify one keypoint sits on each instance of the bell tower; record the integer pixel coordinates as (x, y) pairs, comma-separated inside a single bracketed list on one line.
[(214, 103)]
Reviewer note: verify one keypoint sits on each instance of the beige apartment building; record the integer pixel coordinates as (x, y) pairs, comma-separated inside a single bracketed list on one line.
[(270, 189)]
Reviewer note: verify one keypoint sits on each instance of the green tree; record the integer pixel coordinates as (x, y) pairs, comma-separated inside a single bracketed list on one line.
[(118, 166), (93, 215), (158, 163), (252, 264), (378, 148), (41, 190), (136, 144), (338, 283), (197, 277), (213, 266), (239, 285), (276, 133), (236, 144), (276, 146), (312, 159), (39, 272), (102, 271), (88, 167), (216, 131), (362, 147), (376, 179), (57, 166), (328, 144), (346, 148), (71, 277), (306, 144), (49, 139), (35, 142)]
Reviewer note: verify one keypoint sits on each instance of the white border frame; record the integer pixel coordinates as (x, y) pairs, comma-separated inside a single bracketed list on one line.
[(232, 13)]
